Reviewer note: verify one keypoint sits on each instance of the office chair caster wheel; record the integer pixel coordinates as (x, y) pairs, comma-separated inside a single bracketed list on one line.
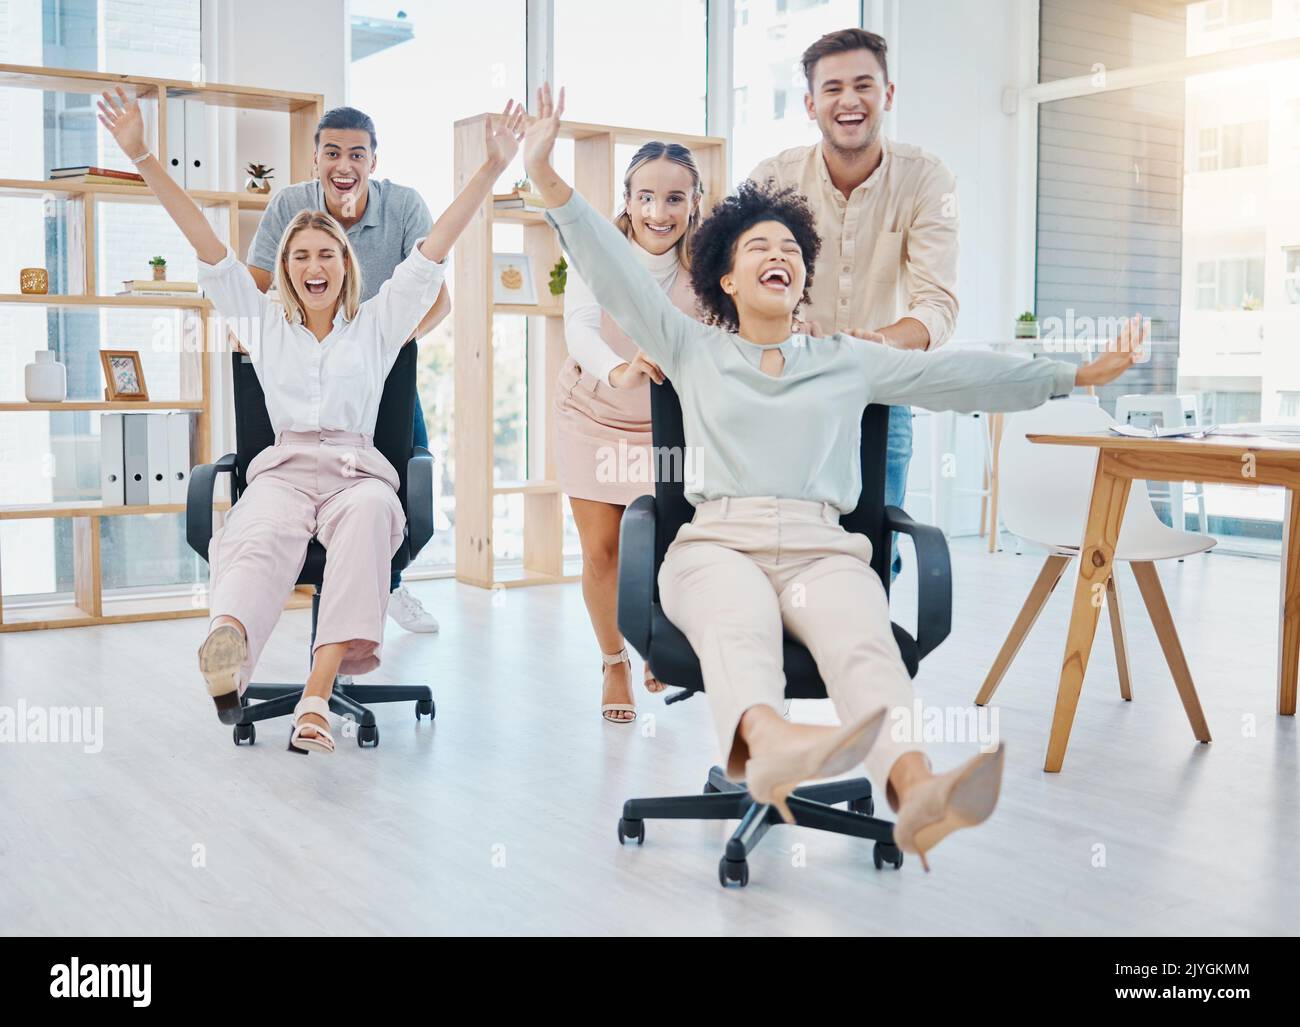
[(865, 806), (730, 870), (424, 707), (368, 735), (634, 829), (885, 852), (245, 733)]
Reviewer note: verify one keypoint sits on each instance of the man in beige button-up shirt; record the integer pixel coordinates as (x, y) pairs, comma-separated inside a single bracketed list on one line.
[(886, 213)]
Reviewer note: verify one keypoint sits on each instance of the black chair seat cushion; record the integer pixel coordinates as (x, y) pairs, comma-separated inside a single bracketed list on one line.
[(675, 662), (313, 570)]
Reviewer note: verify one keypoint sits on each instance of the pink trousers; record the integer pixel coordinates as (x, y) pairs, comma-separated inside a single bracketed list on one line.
[(329, 485)]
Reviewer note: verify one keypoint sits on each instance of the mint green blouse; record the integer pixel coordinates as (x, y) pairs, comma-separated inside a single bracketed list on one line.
[(797, 435)]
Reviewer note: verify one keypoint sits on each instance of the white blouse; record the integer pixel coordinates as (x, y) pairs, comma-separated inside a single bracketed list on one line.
[(335, 383), (582, 313)]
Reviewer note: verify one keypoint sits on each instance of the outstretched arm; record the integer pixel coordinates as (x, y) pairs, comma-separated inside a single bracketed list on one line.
[(503, 135), (599, 251), (121, 116), (994, 382)]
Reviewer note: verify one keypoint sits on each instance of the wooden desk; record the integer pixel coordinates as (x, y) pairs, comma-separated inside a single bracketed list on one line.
[(1222, 459)]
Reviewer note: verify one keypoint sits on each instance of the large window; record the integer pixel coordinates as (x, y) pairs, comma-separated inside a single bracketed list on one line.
[(417, 68), (1230, 283), (768, 89), (633, 64), (1176, 198), (55, 457)]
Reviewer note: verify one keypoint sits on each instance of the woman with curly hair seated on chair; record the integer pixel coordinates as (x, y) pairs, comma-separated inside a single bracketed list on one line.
[(775, 419), (322, 358)]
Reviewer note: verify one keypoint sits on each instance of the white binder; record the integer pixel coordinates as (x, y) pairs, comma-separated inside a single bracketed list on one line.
[(159, 460), (111, 476), (174, 160), (178, 456), (135, 458), (198, 167)]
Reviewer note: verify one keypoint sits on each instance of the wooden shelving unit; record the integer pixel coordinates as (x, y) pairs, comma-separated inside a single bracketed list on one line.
[(599, 180), (304, 111)]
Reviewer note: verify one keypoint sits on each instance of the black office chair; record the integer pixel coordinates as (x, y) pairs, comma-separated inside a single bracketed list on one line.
[(649, 526), (414, 466)]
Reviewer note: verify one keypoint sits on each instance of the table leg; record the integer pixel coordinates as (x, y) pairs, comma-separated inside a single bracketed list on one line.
[(1288, 631), (995, 433), (1148, 579), (1119, 638), (1096, 563)]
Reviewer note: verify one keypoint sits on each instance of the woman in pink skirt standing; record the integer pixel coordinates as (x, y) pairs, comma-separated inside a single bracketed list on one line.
[(603, 400)]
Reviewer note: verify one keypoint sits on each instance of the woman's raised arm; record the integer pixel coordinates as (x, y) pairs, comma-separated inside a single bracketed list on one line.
[(121, 116), (599, 251), (502, 143)]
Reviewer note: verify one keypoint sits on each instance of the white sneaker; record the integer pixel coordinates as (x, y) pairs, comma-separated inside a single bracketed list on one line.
[(407, 611)]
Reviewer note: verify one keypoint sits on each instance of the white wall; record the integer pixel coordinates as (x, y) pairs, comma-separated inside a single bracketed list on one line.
[(952, 61), (300, 46)]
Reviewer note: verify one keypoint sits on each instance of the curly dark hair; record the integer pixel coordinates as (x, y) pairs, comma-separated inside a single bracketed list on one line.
[(713, 248)]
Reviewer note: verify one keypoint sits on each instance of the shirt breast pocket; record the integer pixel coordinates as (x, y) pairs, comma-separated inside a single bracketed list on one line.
[(887, 259)]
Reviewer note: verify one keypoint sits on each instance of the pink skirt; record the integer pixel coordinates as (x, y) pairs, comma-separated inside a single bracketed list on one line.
[(603, 442)]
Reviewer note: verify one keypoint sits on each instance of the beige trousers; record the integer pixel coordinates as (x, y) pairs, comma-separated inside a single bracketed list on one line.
[(745, 568)]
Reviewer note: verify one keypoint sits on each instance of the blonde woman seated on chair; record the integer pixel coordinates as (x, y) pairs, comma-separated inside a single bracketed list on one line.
[(776, 419), (321, 357)]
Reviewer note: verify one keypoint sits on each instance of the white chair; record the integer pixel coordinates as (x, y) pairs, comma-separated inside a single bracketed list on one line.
[(1170, 411), (1046, 492)]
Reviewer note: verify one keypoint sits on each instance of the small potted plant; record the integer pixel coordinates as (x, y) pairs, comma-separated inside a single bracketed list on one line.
[(559, 277), (1027, 326), (159, 265), (524, 191), (259, 179)]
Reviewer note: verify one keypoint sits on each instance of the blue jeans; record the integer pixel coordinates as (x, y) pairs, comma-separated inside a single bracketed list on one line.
[(898, 454), (419, 437)]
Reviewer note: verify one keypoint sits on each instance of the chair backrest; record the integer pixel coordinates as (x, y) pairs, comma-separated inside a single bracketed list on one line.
[(673, 510), (1044, 491), (393, 428)]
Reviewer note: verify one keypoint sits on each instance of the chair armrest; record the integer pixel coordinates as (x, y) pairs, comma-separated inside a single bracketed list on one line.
[(934, 570), (198, 502), (419, 499), (636, 573)]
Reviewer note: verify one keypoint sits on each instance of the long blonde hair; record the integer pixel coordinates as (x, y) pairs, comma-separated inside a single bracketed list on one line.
[(681, 156), (349, 295)]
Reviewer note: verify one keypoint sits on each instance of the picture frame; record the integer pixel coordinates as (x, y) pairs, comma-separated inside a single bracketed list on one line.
[(512, 279), (123, 375)]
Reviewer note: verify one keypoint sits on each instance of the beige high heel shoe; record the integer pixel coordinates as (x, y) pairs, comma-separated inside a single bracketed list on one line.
[(221, 658), (612, 660), (770, 779), (947, 802)]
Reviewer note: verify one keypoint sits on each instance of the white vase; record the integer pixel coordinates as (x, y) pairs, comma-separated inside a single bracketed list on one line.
[(46, 380)]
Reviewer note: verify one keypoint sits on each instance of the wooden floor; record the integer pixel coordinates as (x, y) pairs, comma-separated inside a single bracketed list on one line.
[(500, 817)]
